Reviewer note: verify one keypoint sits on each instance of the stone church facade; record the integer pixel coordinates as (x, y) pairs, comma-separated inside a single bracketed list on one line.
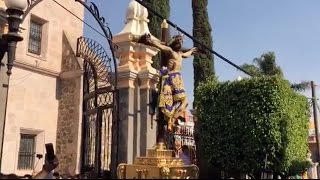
[(49, 101), (45, 90)]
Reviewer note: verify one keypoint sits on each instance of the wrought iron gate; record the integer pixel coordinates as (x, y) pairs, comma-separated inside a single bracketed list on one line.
[(99, 107)]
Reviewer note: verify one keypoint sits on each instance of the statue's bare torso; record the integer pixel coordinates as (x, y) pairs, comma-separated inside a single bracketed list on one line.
[(175, 61)]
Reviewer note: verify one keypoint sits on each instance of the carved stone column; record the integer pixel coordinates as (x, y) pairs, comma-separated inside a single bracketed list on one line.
[(148, 78), (135, 78), (127, 74)]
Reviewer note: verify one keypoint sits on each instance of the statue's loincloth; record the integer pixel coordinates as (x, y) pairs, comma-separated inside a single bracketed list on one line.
[(172, 91)]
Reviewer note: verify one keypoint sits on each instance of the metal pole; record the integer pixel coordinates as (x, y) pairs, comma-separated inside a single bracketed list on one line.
[(12, 37), (315, 117)]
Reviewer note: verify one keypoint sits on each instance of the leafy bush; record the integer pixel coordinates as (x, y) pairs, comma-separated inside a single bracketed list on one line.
[(243, 122)]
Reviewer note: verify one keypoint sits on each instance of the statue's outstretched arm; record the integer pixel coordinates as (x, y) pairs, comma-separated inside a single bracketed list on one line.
[(189, 52), (160, 45), (147, 39)]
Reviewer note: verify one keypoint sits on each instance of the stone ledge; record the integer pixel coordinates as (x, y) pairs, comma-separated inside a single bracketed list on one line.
[(33, 68), (71, 74)]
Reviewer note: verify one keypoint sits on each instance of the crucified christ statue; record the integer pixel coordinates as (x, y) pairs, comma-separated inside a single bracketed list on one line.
[(173, 99)]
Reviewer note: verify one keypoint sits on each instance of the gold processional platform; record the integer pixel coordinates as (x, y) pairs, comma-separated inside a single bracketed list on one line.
[(159, 164)]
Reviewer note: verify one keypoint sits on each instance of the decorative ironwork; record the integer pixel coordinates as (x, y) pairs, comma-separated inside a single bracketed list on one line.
[(99, 59), (99, 107), (30, 2), (93, 9), (31, 5)]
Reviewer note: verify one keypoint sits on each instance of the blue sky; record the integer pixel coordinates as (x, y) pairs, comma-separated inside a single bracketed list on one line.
[(243, 30)]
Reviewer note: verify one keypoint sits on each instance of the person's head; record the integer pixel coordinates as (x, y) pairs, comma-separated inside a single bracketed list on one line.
[(176, 42)]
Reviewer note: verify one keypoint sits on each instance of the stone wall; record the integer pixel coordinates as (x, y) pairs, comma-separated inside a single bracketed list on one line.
[(68, 125), (56, 21), (32, 109), (69, 116)]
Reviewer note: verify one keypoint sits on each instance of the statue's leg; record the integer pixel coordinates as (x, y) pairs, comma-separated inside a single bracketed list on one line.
[(181, 108), (179, 112), (171, 124)]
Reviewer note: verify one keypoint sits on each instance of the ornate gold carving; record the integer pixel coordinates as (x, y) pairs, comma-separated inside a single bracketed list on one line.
[(121, 171), (165, 172), (181, 173), (159, 163), (142, 173)]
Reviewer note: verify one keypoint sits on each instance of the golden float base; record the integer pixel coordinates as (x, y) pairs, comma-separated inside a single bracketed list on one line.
[(159, 164)]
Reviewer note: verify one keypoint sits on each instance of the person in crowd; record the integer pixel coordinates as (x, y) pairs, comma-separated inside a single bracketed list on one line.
[(48, 167)]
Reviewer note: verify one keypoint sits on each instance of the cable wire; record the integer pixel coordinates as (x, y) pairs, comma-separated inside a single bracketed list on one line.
[(80, 19), (191, 37), (171, 24)]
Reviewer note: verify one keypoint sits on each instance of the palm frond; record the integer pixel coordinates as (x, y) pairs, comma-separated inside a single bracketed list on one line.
[(303, 86)]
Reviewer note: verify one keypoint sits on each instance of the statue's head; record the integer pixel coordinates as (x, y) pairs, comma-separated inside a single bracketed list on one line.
[(176, 42)]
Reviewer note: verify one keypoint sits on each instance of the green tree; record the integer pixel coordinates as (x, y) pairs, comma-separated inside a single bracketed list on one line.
[(203, 65), (163, 8), (203, 61), (243, 122), (266, 65)]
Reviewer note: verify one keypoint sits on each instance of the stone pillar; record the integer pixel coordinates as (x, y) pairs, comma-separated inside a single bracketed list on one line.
[(69, 84), (135, 78), (148, 78), (127, 116)]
